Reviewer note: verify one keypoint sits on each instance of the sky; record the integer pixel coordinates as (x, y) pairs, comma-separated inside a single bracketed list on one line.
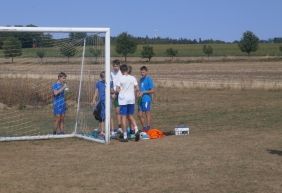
[(192, 19)]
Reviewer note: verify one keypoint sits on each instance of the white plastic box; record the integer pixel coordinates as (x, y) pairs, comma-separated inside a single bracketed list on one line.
[(181, 130)]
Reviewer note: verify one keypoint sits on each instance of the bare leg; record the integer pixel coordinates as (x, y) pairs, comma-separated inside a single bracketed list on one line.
[(112, 125), (148, 118), (118, 117), (62, 122), (132, 122), (57, 124), (141, 118), (124, 124), (101, 127)]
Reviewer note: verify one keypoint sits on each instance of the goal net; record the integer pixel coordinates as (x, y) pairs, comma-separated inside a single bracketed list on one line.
[(31, 58)]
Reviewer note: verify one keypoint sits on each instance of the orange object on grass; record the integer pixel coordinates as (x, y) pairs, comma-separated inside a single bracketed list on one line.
[(155, 133)]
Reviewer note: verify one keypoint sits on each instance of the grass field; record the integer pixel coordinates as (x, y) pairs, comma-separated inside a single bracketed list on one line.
[(234, 146)]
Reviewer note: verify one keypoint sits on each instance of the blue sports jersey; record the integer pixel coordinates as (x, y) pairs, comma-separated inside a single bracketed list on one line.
[(59, 105), (101, 86), (146, 83)]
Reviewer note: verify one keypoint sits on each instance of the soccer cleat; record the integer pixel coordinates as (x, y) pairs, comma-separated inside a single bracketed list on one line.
[(137, 136), (120, 136)]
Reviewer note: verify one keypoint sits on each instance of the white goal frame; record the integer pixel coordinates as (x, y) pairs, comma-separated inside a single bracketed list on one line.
[(107, 74)]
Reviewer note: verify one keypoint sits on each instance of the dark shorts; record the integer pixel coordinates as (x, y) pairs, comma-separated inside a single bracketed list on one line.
[(99, 112), (115, 102), (126, 109)]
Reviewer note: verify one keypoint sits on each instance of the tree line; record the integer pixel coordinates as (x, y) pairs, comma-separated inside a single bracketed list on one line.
[(125, 44)]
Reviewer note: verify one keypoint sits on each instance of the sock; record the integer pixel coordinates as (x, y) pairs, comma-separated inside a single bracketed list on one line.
[(136, 129), (125, 135)]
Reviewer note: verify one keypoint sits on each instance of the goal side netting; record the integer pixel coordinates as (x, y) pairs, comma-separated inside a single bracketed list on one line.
[(31, 58)]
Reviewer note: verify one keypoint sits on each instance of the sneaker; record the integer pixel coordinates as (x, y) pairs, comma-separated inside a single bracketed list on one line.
[(123, 140), (113, 135), (144, 129), (137, 136), (120, 136)]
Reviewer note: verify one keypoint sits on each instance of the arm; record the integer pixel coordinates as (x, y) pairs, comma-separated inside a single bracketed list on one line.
[(56, 92), (118, 89), (95, 96), (137, 91), (152, 91)]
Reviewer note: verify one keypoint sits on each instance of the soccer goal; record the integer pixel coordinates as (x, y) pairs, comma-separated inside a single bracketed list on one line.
[(30, 60)]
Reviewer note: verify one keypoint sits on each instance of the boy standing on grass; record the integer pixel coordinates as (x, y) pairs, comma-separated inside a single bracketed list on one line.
[(132, 125), (59, 103), (99, 101), (127, 86), (115, 76), (146, 86)]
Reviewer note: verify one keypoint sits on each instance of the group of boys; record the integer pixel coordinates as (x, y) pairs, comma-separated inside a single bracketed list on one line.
[(124, 90)]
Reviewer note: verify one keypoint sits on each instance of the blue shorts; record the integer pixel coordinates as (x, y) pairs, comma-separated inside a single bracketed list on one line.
[(144, 106), (125, 110), (59, 109), (102, 112)]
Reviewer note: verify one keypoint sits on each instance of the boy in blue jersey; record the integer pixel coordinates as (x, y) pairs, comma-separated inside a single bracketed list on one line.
[(59, 103), (99, 101), (146, 86)]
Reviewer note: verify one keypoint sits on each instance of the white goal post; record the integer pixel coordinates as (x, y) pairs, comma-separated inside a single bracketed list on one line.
[(17, 115)]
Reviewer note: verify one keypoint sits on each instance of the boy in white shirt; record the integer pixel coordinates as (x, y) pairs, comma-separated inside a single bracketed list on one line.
[(127, 86), (115, 76)]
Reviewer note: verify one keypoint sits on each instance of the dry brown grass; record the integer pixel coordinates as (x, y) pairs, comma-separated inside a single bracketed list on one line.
[(234, 146), (233, 75)]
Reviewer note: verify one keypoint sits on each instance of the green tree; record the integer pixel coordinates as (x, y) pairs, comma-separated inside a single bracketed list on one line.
[(68, 50), (95, 53), (125, 45), (249, 42), (12, 48), (171, 52), (148, 52), (208, 50), (40, 53)]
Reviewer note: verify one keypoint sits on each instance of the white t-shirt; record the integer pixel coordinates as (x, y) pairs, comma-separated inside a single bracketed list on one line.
[(127, 85), (115, 76)]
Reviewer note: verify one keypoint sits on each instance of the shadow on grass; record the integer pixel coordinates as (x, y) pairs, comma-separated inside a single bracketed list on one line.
[(276, 152)]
